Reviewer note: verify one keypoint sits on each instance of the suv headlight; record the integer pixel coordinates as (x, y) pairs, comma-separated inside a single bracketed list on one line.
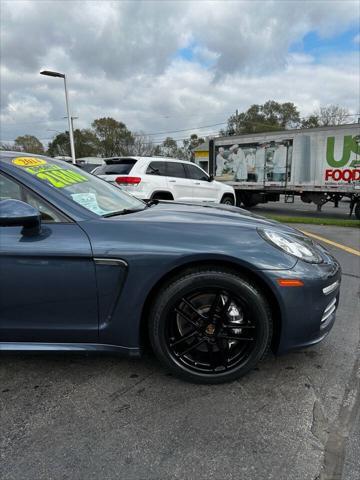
[(298, 247)]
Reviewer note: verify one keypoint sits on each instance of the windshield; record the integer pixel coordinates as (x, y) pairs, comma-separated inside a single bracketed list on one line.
[(87, 190)]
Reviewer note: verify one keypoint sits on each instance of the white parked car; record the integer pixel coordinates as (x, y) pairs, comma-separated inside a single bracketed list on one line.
[(164, 179)]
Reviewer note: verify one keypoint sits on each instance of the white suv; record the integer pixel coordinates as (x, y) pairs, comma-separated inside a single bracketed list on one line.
[(164, 178)]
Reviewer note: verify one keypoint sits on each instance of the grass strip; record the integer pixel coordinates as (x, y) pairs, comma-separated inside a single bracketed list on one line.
[(315, 220)]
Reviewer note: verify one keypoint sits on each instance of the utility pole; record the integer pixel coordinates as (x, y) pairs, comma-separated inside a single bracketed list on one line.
[(72, 122), (236, 120)]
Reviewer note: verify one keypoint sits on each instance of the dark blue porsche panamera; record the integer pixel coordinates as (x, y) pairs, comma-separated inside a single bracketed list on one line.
[(84, 266)]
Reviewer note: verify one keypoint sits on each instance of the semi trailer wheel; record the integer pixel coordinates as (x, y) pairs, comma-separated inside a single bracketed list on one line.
[(357, 210)]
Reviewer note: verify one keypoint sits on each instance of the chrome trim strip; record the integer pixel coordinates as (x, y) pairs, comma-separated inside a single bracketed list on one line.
[(328, 314), (110, 261), (330, 305), (68, 347), (330, 288)]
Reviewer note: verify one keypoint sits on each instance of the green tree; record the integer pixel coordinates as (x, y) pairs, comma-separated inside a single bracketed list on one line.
[(86, 143), (60, 145), (189, 145), (157, 152), (270, 116), (29, 144), (113, 136), (85, 140), (310, 122), (169, 148)]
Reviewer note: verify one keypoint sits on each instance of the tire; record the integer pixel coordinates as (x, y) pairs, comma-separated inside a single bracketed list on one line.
[(228, 200), (249, 204), (357, 210), (193, 314), (249, 200)]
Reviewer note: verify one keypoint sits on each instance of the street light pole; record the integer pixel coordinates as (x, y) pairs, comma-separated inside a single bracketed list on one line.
[(72, 146), (71, 134)]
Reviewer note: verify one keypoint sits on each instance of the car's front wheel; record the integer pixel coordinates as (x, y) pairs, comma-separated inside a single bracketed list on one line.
[(210, 326)]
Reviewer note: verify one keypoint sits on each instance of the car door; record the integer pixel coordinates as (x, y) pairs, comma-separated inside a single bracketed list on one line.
[(155, 179), (180, 185), (203, 189), (48, 285)]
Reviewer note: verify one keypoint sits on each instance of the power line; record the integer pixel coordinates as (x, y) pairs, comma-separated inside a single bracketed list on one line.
[(164, 116), (221, 123), (174, 131), (188, 129), (159, 142), (179, 130), (182, 130)]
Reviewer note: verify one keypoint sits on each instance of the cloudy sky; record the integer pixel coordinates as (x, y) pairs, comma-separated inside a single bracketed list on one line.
[(163, 66)]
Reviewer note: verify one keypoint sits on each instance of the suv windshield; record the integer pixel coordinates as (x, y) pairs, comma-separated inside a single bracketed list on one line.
[(87, 190)]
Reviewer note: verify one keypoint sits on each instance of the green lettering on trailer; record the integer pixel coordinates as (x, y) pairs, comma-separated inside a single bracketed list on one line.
[(350, 145)]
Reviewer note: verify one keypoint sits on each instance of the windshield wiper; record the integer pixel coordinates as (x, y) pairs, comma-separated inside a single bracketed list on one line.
[(125, 211), (154, 201)]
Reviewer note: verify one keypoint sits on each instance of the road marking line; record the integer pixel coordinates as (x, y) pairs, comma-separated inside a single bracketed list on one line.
[(354, 251)]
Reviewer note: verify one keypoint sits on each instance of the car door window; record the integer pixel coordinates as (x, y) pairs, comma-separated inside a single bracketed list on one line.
[(156, 168), (175, 169), (9, 189), (195, 173)]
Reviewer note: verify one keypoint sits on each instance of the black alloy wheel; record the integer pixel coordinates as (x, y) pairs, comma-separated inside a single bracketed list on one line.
[(210, 326)]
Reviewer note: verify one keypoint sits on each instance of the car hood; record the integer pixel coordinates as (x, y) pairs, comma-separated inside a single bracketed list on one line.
[(204, 213), (192, 231)]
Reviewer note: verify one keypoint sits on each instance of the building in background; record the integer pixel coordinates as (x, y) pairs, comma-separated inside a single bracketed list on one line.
[(201, 155)]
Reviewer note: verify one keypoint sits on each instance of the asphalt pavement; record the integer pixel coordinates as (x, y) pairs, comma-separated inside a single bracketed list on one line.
[(103, 417), (301, 209)]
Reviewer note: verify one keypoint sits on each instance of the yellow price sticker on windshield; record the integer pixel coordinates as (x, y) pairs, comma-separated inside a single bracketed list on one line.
[(28, 161)]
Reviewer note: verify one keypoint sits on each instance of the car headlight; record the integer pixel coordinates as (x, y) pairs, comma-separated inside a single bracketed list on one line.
[(299, 247)]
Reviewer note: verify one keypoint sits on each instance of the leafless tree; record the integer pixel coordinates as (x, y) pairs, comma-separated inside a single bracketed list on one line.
[(9, 147), (332, 115), (142, 146)]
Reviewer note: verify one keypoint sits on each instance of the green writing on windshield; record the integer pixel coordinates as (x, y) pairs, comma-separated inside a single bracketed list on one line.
[(58, 177)]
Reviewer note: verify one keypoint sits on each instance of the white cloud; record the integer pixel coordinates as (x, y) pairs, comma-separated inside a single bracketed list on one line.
[(122, 60)]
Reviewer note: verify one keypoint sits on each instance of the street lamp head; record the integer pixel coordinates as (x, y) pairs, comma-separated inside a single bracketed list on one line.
[(49, 73)]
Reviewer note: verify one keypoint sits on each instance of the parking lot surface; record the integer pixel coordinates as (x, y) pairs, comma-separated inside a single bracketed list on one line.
[(104, 417), (301, 209)]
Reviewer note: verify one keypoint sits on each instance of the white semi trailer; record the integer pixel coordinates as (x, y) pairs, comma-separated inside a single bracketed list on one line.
[(318, 164)]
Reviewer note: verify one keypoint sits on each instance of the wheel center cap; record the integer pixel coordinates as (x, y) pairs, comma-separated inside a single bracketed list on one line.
[(210, 329)]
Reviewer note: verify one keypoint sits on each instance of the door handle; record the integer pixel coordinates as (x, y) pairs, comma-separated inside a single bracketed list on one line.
[(172, 181), (197, 183)]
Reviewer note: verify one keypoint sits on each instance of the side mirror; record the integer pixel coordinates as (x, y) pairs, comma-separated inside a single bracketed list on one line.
[(14, 213), (211, 178)]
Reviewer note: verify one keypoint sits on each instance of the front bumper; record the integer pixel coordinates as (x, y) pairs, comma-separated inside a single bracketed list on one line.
[(307, 312)]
